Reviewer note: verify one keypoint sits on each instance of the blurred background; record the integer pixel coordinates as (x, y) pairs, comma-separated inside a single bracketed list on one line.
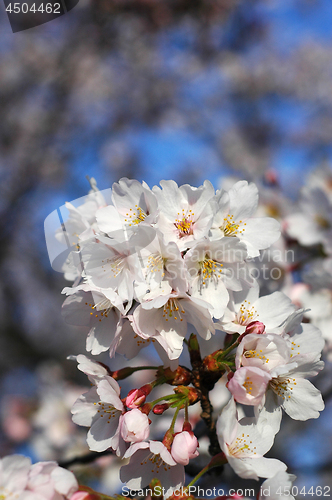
[(147, 89)]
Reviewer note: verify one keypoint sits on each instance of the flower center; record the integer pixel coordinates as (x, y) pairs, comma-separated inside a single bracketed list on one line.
[(246, 314), (9, 495), (107, 410), (293, 348), (184, 223), (116, 265), (232, 228), (173, 309), (136, 215), (252, 353), (155, 265), (241, 447), (140, 342), (248, 385), (155, 462), (210, 270), (100, 310), (283, 386)]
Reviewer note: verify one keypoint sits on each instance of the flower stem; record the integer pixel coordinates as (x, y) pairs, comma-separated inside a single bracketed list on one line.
[(186, 416), (129, 370), (175, 416), (230, 348), (164, 398)]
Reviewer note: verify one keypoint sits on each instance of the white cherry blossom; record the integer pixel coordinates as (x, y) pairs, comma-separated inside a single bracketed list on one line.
[(100, 409), (214, 268), (165, 317), (185, 212), (278, 487), (134, 426), (134, 203), (264, 351), (233, 217), (19, 480), (113, 265), (100, 310), (246, 306), (249, 384), (149, 460), (313, 223), (245, 441), (298, 397)]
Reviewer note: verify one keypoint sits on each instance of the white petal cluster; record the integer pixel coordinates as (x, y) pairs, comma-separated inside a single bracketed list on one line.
[(155, 260), (42, 481), (154, 264)]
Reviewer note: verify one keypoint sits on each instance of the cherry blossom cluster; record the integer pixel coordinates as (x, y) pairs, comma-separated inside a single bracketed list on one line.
[(42, 481), (308, 229), (163, 267), (155, 260)]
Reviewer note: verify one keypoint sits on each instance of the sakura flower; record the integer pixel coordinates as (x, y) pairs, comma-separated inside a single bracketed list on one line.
[(113, 265), (100, 409), (184, 447), (318, 305), (288, 357), (245, 441), (246, 307), (164, 316), (92, 369), (41, 481), (81, 222), (262, 351), (134, 203), (79, 226), (303, 338), (249, 384), (313, 223), (233, 217), (215, 267), (134, 426), (160, 262), (149, 460), (14, 472), (298, 397), (48, 481), (127, 342), (277, 487), (185, 212), (98, 309)]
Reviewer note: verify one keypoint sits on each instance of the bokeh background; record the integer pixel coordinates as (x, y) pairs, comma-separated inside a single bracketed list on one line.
[(148, 89)]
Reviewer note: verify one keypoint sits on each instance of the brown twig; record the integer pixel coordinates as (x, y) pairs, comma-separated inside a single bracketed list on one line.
[(204, 381)]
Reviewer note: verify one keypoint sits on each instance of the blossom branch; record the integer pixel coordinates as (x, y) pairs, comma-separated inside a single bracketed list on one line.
[(204, 381)]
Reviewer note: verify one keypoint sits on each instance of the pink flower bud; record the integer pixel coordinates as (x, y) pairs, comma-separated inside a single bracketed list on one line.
[(135, 398), (80, 495), (85, 495), (159, 409), (134, 426), (184, 447), (255, 327)]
